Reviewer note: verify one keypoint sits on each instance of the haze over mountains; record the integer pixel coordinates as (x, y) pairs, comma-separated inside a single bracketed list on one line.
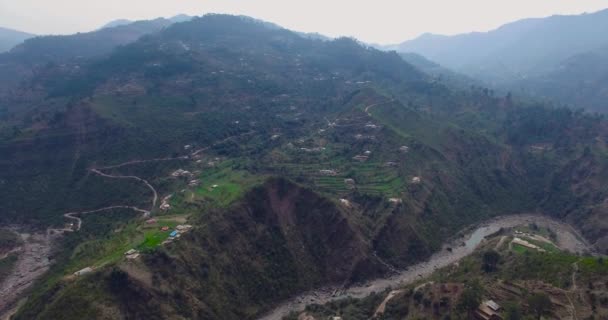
[(213, 168), (10, 38), (525, 54)]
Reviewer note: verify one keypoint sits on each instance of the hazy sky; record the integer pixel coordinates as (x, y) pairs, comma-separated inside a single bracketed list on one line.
[(380, 21)]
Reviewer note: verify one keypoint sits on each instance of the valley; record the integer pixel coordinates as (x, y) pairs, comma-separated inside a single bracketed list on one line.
[(223, 167), (467, 242)]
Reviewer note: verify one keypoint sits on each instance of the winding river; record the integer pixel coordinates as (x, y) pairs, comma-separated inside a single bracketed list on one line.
[(567, 239)]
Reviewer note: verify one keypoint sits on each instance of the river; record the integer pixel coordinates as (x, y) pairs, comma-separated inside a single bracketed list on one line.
[(567, 239)]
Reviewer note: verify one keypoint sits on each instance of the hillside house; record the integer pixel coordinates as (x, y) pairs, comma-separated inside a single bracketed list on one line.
[(83, 271), (488, 310), (345, 202), (328, 172), (183, 227), (360, 158)]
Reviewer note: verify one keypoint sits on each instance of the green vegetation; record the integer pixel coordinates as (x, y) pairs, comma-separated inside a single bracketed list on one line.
[(526, 285), (6, 265), (8, 240), (280, 125)]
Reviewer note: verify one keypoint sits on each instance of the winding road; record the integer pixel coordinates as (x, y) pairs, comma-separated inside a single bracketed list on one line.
[(567, 238), (375, 105)]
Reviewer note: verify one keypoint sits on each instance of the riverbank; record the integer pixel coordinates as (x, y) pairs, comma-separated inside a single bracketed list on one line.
[(32, 262), (567, 239)]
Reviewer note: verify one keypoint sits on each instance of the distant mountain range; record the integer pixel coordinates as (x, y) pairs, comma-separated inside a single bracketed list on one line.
[(10, 38), (524, 53), (122, 22)]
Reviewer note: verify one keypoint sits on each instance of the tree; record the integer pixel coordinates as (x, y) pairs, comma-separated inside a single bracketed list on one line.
[(513, 312), (470, 298), (539, 304), (490, 260)]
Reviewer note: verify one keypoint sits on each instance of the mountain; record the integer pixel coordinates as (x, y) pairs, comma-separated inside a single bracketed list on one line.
[(10, 38), (31, 57), (122, 22), (286, 163), (518, 49), (116, 23), (437, 71), (580, 81)]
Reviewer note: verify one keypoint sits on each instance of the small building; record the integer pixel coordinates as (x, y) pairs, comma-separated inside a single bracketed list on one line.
[(395, 200), (367, 153), (183, 227), (328, 172), (349, 181), (526, 244), (416, 180), (130, 252), (165, 228), (133, 256), (360, 158), (83, 271), (173, 233), (488, 310), (345, 202), (165, 206), (151, 221), (404, 149)]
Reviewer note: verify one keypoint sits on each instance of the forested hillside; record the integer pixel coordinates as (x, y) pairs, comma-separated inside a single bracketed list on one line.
[(298, 162)]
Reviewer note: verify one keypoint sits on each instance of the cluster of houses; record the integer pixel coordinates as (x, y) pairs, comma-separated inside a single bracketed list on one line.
[(181, 173), (176, 234), (165, 206)]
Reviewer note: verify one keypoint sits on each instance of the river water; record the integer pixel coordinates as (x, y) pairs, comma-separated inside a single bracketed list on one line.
[(567, 239)]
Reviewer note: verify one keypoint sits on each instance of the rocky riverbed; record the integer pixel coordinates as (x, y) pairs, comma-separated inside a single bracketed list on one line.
[(567, 239)]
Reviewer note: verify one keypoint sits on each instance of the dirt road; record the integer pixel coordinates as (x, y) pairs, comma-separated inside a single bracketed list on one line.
[(567, 239)]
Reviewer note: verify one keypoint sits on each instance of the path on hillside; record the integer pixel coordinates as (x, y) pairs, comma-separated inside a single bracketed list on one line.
[(154, 193), (567, 239), (375, 105), (33, 260), (128, 163), (222, 141)]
